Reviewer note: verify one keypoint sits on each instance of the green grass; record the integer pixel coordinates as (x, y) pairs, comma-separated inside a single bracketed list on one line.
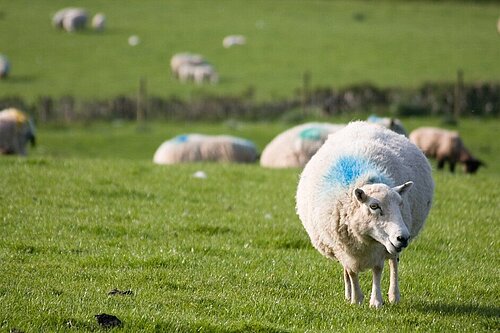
[(81, 216), (389, 43)]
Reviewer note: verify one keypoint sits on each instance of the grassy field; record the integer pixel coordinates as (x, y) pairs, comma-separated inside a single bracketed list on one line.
[(389, 43), (88, 212)]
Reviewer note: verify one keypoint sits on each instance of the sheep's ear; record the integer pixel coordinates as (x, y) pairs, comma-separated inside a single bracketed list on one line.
[(403, 189), (360, 195)]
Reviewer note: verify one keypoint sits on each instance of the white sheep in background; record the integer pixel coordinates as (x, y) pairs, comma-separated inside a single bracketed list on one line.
[(233, 40), (445, 146), (205, 73), (99, 22), (209, 148), (362, 198), (70, 19), (391, 123), (182, 59), (16, 130), (4, 66), (294, 147)]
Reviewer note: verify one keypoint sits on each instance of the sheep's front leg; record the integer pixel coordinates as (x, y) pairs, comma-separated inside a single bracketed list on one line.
[(356, 293), (376, 297), (347, 285), (393, 284)]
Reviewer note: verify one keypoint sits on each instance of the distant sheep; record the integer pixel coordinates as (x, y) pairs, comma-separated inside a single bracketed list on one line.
[(445, 146), (233, 40), (70, 19), (391, 123), (209, 148), (183, 59), (4, 67), (205, 73), (294, 147), (99, 22), (16, 130), (362, 198)]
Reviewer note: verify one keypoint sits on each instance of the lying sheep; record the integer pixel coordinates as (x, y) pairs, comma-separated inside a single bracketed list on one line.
[(212, 148), (16, 129), (70, 19), (233, 40), (362, 198), (4, 67), (445, 146), (294, 147), (391, 123)]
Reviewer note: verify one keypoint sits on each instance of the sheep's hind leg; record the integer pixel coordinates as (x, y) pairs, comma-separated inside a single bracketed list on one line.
[(347, 284), (393, 284), (356, 293), (376, 297)]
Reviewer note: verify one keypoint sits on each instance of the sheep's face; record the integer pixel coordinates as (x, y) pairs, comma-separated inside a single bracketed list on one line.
[(379, 215)]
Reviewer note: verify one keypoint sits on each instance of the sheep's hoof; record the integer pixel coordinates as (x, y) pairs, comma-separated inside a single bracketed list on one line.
[(377, 304), (394, 298)]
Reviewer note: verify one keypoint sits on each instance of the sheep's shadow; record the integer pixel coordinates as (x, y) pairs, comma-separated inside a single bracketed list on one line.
[(20, 79), (459, 309)]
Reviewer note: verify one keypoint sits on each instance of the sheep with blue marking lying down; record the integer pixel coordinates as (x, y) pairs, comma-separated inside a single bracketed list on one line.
[(393, 124), (362, 198), (211, 148), (295, 146), (16, 130)]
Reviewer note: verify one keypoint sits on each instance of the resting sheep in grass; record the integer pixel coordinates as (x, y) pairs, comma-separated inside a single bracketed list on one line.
[(211, 148), (233, 40), (445, 146), (15, 132), (391, 123), (295, 146), (362, 198)]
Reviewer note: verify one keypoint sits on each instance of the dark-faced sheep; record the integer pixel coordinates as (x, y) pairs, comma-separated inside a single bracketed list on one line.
[(393, 124), (16, 130), (446, 147)]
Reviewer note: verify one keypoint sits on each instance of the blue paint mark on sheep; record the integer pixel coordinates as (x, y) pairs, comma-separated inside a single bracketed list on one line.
[(312, 133), (347, 169), (180, 138)]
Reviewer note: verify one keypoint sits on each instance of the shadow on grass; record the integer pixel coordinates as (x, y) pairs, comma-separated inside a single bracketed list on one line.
[(20, 79), (460, 309)]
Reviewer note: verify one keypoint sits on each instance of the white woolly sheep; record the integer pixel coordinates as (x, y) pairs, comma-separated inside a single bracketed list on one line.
[(16, 129), (362, 198), (99, 22), (4, 66), (205, 73), (70, 19), (181, 59), (294, 147), (445, 146), (212, 148), (233, 40), (391, 123)]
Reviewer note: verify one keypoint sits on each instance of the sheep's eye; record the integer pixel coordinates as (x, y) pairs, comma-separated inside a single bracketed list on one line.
[(374, 206)]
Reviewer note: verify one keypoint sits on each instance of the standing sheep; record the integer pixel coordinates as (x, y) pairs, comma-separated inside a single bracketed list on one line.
[(391, 123), (445, 146), (4, 66), (15, 132), (294, 147), (362, 198), (183, 59), (211, 148)]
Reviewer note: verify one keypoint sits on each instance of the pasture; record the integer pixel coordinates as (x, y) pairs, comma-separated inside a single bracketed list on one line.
[(387, 43), (88, 212)]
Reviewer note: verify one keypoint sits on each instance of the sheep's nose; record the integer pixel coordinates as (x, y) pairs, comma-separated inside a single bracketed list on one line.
[(403, 240)]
